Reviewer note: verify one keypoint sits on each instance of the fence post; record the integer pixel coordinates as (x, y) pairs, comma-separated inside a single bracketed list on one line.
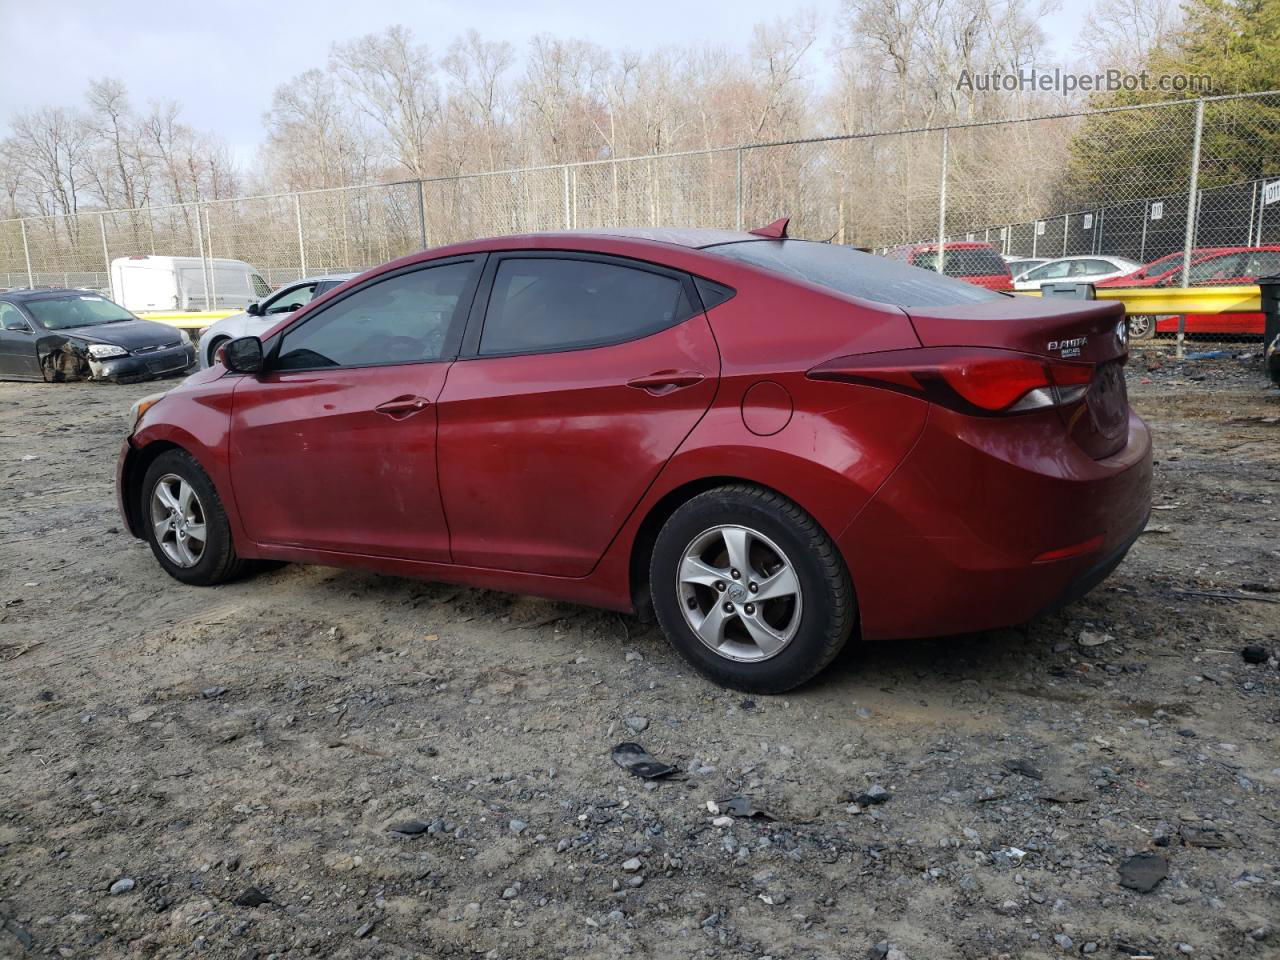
[(302, 247), (738, 193), (942, 204), (1066, 228), (1189, 238), (26, 252), (106, 256), (422, 214), (1146, 218), (567, 214), (208, 243), (205, 266), (1253, 210)]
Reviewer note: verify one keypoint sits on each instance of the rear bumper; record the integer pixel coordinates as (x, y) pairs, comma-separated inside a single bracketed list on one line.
[(950, 543)]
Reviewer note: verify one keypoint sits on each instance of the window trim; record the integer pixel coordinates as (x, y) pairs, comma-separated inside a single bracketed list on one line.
[(480, 305), (453, 336)]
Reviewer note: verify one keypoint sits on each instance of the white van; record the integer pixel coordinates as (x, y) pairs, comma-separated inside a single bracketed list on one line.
[(148, 283)]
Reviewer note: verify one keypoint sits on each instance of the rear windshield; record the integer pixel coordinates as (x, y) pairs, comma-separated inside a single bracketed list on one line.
[(963, 262), (78, 310), (854, 273)]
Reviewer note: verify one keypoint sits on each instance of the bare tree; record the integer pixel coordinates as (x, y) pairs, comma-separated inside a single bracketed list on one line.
[(392, 82)]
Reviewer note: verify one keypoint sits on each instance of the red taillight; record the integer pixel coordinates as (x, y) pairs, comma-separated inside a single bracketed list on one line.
[(969, 379)]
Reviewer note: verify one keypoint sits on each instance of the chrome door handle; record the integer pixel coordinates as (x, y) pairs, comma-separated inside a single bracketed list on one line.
[(665, 381), (402, 407)]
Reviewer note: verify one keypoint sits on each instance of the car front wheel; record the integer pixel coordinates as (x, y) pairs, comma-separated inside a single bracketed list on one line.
[(750, 590), (185, 522), (212, 353)]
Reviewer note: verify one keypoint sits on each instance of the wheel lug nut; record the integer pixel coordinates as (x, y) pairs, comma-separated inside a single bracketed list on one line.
[(720, 585), (728, 608), (753, 587), (735, 574), (749, 609)]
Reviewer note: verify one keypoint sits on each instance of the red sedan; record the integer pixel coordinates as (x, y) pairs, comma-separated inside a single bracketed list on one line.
[(1210, 267), (773, 444)]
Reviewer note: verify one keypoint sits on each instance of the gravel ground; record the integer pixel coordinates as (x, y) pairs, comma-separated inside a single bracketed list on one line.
[(216, 771)]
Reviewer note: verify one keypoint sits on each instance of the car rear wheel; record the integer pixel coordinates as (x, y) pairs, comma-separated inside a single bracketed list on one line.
[(1142, 327), (185, 522), (750, 590)]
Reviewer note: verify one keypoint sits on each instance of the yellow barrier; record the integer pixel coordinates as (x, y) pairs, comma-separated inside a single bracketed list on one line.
[(190, 320), (1139, 301)]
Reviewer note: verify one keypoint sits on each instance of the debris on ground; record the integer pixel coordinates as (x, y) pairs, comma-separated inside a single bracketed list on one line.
[(1143, 872), (635, 760), (251, 897)]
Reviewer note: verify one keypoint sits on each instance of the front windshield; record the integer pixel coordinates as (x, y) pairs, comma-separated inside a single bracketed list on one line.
[(76, 310)]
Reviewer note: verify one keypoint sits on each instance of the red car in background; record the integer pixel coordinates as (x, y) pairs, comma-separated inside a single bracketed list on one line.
[(773, 444), (1210, 266), (976, 263)]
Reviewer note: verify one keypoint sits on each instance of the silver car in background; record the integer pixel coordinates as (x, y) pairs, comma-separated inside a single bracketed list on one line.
[(261, 317), (1083, 269)]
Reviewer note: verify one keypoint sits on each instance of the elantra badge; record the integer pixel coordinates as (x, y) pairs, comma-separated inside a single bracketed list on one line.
[(1068, 348)]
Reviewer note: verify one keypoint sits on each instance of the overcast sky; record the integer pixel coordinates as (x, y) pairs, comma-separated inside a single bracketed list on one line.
[(221, 59)]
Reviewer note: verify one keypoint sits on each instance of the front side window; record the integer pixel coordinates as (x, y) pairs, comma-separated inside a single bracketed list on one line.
[(1215, 269), (544, 304), (403, 319), (289, 300), (11, 317), (1050, 271)]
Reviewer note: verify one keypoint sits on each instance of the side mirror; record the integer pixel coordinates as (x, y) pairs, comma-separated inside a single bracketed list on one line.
[(19, 326), (243, 355), (254, 309)]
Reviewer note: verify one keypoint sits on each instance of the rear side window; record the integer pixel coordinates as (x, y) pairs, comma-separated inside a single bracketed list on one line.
[(546, 304), (854, 273), (963, 262), (403, 319)]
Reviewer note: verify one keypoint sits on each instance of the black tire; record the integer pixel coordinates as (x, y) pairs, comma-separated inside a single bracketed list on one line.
[(1142, 327), (212, 349), (217, 562), (827, 608)]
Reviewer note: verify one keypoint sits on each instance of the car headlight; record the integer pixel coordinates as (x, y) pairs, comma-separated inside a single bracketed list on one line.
[(142, 406), (101, 351)]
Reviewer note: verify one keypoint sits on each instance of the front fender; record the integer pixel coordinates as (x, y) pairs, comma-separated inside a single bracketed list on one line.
[(203, 406)]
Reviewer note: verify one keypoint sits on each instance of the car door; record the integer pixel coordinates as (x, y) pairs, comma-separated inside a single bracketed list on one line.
[(579, 377), (333, 447), (18, 356)]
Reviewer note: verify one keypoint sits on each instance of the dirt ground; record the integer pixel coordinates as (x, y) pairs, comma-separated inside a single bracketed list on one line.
[(196, 743)]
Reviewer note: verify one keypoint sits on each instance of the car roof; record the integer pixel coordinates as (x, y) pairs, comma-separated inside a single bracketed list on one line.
[(694, 237), (43, 293)]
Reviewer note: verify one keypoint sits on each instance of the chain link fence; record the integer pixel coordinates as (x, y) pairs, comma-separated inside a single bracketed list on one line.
[(1125, 182)]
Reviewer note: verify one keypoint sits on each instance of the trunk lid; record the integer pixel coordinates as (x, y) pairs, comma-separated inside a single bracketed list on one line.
[(1059, 329)]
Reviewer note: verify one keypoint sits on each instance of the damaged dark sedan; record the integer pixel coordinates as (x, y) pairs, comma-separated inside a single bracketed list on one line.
[(61, 335)]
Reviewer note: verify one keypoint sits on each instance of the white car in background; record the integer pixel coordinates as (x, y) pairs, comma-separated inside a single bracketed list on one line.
[(261, 317), (1086, 269), (1020, 265)]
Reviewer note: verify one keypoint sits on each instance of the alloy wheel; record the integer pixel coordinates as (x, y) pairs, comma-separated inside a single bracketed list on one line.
[(178, 519), (739, 593)]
